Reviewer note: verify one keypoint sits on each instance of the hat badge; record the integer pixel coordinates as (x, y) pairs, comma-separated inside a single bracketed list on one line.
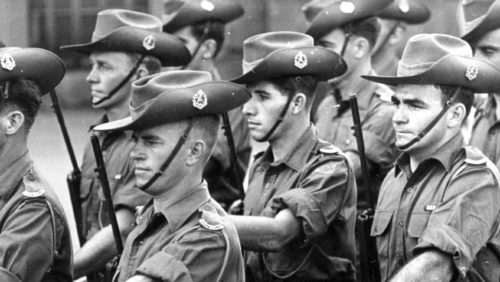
[(149, 42), (207, 5), (347, 7), (471, 72), (8, 62), (300, 60), (200, 99)]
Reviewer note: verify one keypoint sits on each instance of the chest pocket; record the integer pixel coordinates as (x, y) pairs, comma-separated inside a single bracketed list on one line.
[(381, 222), (417, 224)]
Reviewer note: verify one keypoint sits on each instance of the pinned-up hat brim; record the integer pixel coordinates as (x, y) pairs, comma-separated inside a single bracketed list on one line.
[(489, 23), (331, 17), (321, 63), (38, 65), (176, 105), (452, 70), (168, 49), (189, 14), (417, 13)]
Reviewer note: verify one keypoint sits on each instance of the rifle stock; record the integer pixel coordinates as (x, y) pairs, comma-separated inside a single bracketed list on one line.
[(74, 177), (369, 264)]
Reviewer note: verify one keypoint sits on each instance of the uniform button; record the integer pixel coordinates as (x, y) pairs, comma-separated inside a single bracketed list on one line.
[(141, 242), (400, 224), (348, 141), (409, 190)]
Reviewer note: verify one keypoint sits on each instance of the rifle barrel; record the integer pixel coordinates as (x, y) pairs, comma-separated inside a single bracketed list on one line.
[(103, 178), (232, 150)]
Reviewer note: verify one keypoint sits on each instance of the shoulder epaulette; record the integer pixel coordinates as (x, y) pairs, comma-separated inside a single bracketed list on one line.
[(327, 148), (32, 186)]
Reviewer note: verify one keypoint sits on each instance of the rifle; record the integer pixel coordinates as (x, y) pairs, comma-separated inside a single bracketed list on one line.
[(103, 178), (238, 207), (368, 254), (74, 177)]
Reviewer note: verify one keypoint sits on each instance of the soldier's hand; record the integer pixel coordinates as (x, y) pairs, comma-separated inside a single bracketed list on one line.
[(140, 278), (236, 207)]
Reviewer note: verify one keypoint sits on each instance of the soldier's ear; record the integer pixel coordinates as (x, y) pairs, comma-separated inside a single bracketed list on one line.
[(12, 122), (456, 115), (361, 46), (141, 72), (195, 152), (208, 49), (299, 103)]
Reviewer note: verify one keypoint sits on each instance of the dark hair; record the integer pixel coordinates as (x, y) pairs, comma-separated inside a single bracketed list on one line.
[(297, 84), (210, 30), (152, 64), (368, 28), (23, 95), (465, 96)]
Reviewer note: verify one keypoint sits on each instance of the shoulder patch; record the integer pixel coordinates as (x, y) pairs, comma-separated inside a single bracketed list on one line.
[(384, 93), (32, 186), (474, 156), (209, 218)]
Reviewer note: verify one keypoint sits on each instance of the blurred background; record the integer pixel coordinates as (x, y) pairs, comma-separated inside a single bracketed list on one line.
[(51, 23)]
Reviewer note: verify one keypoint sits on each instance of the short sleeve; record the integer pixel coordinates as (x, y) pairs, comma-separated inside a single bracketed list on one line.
[(197, 256), (326, 193), (465, 221)]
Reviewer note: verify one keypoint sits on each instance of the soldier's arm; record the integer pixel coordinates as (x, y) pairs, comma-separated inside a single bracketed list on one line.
[(431, 265), (101, 247), (262, 233)]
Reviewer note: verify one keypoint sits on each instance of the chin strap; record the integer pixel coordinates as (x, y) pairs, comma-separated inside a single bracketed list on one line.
[(433, 122), (123, 82), (200, 41), (172, 155)]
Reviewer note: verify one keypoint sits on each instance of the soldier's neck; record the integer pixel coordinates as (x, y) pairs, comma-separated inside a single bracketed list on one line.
[(118, 112), (283, 145), (11, 150), (355, 83)]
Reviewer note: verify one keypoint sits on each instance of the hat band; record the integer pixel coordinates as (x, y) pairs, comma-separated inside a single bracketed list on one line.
[(248, 66), (409, 70)]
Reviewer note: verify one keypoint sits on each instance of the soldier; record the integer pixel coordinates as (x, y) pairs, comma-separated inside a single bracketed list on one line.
[(483, 33), (200, 24), (437, 215), (349, 28), (35, 243), (125, 46), (300, 206), (393, 21), (181, 234)]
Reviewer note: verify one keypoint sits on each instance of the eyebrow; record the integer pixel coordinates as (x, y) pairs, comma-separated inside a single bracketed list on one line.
[(411, 101)]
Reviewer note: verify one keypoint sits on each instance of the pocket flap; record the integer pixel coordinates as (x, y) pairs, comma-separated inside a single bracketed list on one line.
[(381, 221), (417, 225)]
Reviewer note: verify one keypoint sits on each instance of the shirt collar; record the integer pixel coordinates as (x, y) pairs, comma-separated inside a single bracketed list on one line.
[(13, 174), (298, 155), (445, 155), (178, 208)]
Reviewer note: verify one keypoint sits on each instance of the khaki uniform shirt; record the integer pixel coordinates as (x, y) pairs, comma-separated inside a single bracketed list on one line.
[(334, 124), (35, 243), (116, 147), (486, 131), (316, 183), (449, 203), (190, 240)]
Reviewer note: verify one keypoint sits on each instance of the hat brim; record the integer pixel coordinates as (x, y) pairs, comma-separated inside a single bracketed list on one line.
[(38, 65), (331, 16), (188, 15), (321, 63), (417, 13), (489, 23), (168, 49), (176, 105), (451, 70)]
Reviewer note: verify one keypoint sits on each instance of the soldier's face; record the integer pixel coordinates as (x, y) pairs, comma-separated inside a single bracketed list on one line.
[(335, 41), (488, 47), (263, 109), (152, 147), (191, 41), (108, 69), (416, 107)]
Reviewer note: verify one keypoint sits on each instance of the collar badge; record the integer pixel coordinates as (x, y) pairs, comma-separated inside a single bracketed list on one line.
[(8, 62), (149, 42), (200, 100), (471, 72), (300, 60)]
